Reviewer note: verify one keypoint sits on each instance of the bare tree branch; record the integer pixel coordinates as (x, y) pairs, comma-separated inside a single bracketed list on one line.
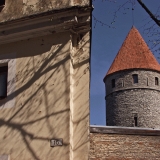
[(149, 12)]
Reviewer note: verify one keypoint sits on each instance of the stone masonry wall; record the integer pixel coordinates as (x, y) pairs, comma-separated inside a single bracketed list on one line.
[(122, 107), (141, 99), (124, 147)]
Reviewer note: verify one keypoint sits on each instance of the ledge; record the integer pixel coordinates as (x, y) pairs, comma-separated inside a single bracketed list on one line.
[(72, 20), (124, 130), (132, 88)]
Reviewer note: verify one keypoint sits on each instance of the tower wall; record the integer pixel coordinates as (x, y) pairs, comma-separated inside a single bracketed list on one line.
[(128, 100)]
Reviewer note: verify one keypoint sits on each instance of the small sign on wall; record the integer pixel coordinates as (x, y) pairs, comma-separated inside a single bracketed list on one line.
[(56, 142)]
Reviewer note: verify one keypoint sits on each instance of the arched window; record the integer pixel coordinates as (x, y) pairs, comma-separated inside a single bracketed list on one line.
[(135, 78), (156, 81), (113, 83)]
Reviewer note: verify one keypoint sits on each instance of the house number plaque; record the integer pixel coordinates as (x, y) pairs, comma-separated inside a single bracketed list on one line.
[(56, 142)]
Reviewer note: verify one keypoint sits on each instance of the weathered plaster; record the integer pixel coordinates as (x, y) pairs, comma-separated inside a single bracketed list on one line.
[(80, 80), (21, 8), (51, 99), (41, 110), (51, 81)]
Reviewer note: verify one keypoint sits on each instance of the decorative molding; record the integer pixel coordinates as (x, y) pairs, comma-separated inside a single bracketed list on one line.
[(77, 20)]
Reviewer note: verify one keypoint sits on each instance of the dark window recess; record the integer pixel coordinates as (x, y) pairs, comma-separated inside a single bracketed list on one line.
[(135, 78), (2, 2), (113, 83), (122, 83), (135, 121), (156, 81), (3, 81), (147, 82)]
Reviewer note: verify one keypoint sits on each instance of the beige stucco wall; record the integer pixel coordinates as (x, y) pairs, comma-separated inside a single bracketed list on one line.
[(80, 81), (51, 99), (15, 9)]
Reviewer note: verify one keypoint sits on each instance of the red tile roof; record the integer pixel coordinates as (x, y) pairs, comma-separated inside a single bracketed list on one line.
[(134, 53)]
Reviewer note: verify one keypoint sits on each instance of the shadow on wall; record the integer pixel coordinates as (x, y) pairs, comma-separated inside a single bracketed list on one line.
[(41, 110), (42, 98)]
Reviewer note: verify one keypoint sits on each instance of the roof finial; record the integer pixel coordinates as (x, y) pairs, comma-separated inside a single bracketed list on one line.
[(133, 6)]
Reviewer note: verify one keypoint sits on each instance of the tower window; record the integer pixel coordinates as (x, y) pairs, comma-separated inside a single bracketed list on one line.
[(135, 78), (156, 81), (135, 121), (122, 83), (3, 81), (147, 82), (113, 83)]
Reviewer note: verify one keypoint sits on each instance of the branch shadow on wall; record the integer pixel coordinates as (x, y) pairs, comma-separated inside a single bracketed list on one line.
[(42, 99)]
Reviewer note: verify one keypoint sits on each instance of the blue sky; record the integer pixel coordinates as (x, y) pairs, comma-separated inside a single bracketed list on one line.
[(107, 40)]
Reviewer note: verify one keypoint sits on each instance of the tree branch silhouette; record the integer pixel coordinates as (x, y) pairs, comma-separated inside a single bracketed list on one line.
[(149, 12)]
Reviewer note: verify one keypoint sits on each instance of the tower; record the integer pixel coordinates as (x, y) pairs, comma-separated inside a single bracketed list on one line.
[(132, 85)]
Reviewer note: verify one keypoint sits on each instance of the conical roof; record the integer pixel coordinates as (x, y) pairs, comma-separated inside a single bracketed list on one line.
[(134, 53)]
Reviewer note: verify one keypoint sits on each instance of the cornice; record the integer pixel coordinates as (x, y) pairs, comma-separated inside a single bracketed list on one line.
[(75, 20)]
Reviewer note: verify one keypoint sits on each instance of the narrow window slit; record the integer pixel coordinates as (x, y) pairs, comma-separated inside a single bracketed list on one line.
[(147, 82), (156, 81), (135, 78), (122, 83), (113, 83), (135, 121)]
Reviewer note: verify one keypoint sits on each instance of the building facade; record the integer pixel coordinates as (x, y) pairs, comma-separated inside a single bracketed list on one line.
[(44, 65)]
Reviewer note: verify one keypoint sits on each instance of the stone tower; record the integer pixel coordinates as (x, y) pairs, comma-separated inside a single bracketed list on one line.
[(132, 85)]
